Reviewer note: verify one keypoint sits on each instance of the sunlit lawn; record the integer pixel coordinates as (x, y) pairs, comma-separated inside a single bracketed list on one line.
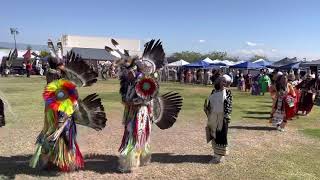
[(24, 96), (26, 113)]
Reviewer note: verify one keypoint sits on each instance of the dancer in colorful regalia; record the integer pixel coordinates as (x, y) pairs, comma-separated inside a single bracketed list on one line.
[(264, 82), (56, 145), (283, 108), (142, 103), (307, 88)]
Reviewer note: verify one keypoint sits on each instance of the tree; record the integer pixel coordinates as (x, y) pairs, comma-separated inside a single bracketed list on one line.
[(14, 32), (256, 57), (189, 56), (44, 53), (216, 55), (233, 58), (29, 47)]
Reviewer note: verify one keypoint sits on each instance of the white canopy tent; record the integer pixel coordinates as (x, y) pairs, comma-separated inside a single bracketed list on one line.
[(216, 61), (208, 60), (179, 63), (259, 60), (229, 63), (5, 52)]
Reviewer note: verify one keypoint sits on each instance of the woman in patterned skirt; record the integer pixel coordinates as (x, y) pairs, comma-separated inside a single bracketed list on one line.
[(218, 108)]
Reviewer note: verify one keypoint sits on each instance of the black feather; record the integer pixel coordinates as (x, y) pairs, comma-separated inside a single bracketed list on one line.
[(90, 112), (108, 49), (166, 109), (35, 54), (114, 42), (2, 116), (53, 62), (78, 71), (154, 52), (126, 52)]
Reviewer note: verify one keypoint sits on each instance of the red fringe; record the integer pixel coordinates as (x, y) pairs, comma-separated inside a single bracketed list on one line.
[(79, 158)]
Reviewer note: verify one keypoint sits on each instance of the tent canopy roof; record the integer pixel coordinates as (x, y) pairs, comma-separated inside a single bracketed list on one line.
[(247, 65), (208, 60), (198, 64), (262, 62), (181, 62)]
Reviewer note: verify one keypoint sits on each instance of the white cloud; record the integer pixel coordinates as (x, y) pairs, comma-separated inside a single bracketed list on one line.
[(274, 50), (202, 41), (251, 44)]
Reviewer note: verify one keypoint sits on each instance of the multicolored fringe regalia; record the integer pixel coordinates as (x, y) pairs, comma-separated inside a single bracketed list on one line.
[(283, 108), (57, 143), (142, 105)]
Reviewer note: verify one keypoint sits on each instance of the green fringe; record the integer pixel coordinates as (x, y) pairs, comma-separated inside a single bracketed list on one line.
[(35, 159)]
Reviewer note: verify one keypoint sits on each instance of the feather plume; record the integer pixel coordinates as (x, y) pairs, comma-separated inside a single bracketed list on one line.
[(154, 51), (90, 112), (51, 49), (78, 71), (166, 109), (59, 50)]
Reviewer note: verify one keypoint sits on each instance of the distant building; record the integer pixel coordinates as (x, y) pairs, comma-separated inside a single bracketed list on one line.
[(87, 43)]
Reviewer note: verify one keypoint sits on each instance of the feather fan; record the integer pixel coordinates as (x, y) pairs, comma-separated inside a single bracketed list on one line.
[(90, 112), (166, 109), (78, 71)]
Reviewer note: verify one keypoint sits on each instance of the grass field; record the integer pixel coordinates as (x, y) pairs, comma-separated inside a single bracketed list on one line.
[(257, 151)]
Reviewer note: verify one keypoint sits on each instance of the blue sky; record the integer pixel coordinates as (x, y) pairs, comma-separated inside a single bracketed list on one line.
[(275, 28)]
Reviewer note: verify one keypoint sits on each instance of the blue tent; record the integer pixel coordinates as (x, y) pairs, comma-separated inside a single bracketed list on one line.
[(247, 65), (198, 64), (294, 65), (218, 64), (213, 66), (263, 63)]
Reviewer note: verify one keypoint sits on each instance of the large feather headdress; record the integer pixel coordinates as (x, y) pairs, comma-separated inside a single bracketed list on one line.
[(152, 58)]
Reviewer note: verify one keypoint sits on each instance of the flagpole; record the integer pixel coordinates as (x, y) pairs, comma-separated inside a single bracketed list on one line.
[(15, 42)]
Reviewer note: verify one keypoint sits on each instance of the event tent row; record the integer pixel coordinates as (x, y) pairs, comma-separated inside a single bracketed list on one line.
[(207, 63)]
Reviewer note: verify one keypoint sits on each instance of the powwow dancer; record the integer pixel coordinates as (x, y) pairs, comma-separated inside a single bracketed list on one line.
[(264, 82), (218, 109), (56, 144), (256, 88), (143, 106), (307, 88), (283, 108)]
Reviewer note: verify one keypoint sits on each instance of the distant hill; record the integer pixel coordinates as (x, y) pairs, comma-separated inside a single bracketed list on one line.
[(7, 45)]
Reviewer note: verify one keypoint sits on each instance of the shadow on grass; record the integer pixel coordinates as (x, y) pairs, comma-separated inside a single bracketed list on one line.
[(169, 158), (257, 112), (255, 128), (254, 117), (14, 165)]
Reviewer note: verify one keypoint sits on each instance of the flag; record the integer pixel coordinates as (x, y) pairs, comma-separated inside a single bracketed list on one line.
[(27, 55)]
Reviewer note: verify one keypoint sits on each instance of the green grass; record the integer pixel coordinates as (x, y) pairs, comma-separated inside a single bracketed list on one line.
[(24, 95), (301, 161), (312, 132)]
